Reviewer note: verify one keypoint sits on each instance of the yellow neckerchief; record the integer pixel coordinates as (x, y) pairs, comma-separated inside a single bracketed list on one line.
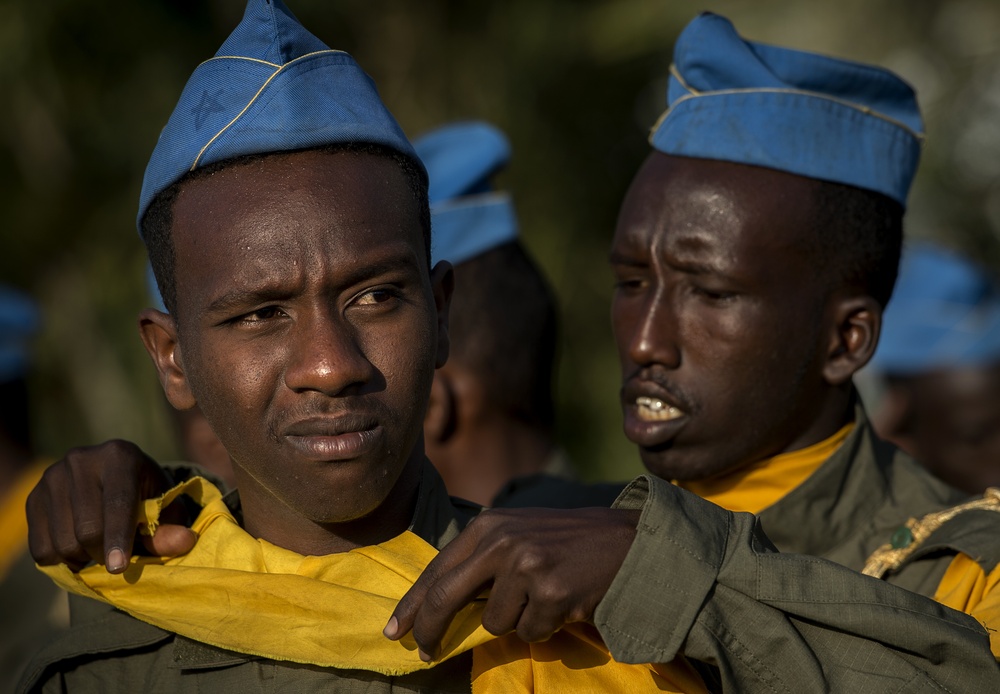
[(754, 488), (13, 521), (247, 595)]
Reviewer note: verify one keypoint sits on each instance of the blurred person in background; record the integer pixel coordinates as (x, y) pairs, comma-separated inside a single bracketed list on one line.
[(30, 610), (491, 414), (939, 358)]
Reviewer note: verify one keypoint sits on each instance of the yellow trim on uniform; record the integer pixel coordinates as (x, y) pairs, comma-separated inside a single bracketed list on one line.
[(754, 488)]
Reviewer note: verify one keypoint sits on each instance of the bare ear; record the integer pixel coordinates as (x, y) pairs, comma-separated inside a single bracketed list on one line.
[(443, 285), (853, 337), (442, 415), (159, 334)]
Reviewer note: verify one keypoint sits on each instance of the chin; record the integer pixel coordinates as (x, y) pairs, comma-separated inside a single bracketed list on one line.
[(673, 465), (334, 509), (338, 516)]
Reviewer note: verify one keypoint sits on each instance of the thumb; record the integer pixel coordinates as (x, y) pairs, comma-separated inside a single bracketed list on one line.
[(170, 541)]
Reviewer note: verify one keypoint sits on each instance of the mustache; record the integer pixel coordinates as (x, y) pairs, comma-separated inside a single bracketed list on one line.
[(654, 381)]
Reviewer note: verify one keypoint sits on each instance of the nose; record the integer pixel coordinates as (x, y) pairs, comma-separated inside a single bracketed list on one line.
[(654, 340), (325, 356)]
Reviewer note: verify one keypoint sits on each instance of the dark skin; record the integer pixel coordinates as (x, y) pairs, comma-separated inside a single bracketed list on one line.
[(949, 420), (716, 301), (201, 446), (308, 329), (718, 315)]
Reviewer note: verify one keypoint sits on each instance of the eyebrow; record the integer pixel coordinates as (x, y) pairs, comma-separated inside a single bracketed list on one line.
[(395, 260), (688, 267), (617, 258), (239, 298), (695, 268), (399, 258)]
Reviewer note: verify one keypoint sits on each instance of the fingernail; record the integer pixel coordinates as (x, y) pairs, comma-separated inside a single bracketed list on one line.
[(116, 560), (390, 628), (423, 656)]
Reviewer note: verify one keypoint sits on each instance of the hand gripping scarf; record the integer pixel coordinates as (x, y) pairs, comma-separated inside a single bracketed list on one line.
[(232, 589)]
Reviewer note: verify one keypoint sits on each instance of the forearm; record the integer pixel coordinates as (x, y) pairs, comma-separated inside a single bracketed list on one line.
[(706, 583)]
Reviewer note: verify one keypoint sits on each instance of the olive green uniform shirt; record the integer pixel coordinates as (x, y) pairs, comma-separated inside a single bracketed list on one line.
[(33, 610), (712, 585), (106, 650)]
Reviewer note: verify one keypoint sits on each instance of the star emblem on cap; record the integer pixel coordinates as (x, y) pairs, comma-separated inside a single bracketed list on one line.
[(208, 105)]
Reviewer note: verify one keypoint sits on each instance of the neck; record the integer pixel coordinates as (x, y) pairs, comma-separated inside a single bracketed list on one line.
[(275, 521), (478, 460), (836, 410)]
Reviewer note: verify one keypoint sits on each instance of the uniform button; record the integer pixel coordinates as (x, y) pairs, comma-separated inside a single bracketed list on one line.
[(901, 538)]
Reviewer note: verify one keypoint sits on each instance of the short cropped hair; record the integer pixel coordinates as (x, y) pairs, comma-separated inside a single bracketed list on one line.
[(858, 239), (158, 220), (504, 329)]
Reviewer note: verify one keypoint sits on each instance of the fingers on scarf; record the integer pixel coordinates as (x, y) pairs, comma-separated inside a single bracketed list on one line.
[(437, 595), (445, 597), (52, 535), (39, 535), (118, 511), (535, 609)]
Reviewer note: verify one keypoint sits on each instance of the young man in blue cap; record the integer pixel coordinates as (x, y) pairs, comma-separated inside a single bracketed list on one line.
[(491, 415), (286, 218), (940, 359), (754, 254), (726, 368)]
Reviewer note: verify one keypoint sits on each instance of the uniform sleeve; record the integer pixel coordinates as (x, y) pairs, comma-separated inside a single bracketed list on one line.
[(706, 583)]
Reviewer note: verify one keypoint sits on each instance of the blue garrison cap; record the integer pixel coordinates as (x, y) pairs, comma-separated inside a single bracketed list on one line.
[(944, 312), (807, 114), (19, 321), (467, 216), (272, 87)]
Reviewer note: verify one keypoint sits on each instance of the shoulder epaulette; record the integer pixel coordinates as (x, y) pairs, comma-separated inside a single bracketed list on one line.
[(909, 537)]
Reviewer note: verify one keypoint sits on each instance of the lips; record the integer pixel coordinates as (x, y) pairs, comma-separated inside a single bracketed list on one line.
[(334, 438), (653, 415), (650, 409)]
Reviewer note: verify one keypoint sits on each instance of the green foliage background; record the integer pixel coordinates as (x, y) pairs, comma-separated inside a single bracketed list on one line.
[(576, 84)]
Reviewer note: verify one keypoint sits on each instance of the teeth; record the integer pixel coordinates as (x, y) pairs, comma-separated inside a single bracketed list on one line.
[(655, 410)]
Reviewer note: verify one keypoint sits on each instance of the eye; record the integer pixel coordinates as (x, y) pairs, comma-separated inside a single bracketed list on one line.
[(374, 297), (630, 282), (712, 294), (261, 315)]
